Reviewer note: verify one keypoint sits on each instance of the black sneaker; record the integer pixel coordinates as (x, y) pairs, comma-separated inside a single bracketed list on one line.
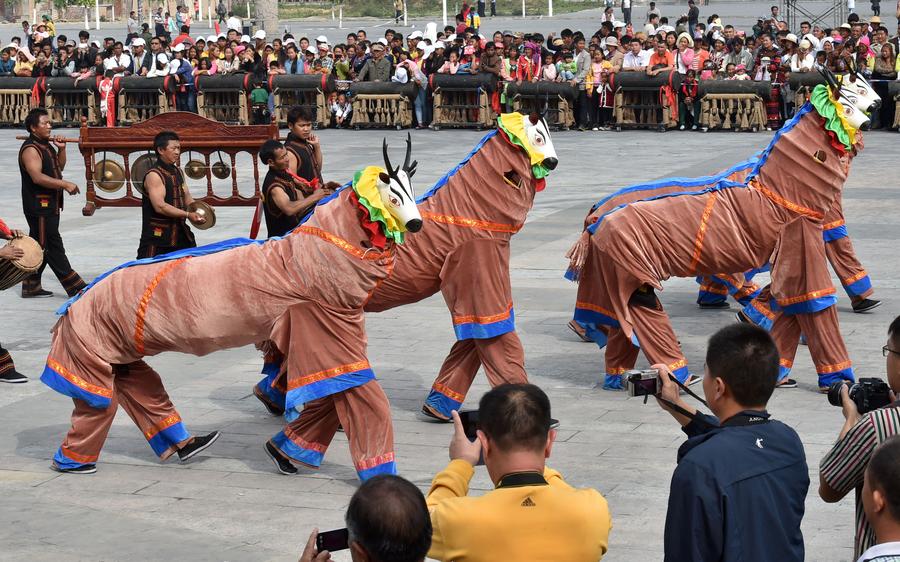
[(83, 469), (272, 408), (13, 377), (787, 383), (38, 294), (196, 446), (865, 305), (283, 465), (718, 305)]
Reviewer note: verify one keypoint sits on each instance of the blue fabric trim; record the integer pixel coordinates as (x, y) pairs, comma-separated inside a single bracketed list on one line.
[(446, 177), (476, 331), (385, 468), (60, 384), (442, 403), (327, 387), (271, 371), (758, 318), (682, 374), (836, 233), (291, 414), (843, 375), (810, 306), (613, 382), (587, 317), (785, 129), (783, 372), (858, 287), (571, 275), (705, 297), (169, 437), (62, 461), (300, 454)]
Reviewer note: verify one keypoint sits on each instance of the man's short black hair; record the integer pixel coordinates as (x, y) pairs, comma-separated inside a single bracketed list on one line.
[(883, 473), (388, 517), (185, 29), (163, 138), (267, 152), (298, 113), (516, 417), (83, 34), (894, 330), (34, 117), (62, 38), (746, 358)]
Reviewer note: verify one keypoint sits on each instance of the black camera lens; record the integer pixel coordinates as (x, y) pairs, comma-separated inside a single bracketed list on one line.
[(834, 392)]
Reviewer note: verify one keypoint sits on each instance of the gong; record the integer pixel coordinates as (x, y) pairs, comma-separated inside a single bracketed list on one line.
[(139, 170), (109, 176)]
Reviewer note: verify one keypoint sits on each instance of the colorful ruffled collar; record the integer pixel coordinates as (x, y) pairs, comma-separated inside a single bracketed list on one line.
[(833, 114), (365, 186)]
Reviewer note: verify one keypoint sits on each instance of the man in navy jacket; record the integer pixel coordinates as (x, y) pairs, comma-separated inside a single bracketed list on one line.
[(739, 489)]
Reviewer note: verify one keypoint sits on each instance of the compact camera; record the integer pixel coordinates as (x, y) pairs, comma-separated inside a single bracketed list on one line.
[(642, 383), (868, 394)]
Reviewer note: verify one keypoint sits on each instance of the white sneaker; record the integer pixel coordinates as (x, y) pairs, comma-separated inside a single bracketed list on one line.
[(595, 128), (681, 128), (694, 128)]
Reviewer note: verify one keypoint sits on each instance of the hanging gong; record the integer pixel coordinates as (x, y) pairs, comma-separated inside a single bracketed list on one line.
[(109, 176), (139, 169), (205, 210), (195, 169), (221, 170)]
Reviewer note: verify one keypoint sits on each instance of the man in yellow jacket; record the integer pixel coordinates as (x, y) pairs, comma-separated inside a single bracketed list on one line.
[(532, 514)]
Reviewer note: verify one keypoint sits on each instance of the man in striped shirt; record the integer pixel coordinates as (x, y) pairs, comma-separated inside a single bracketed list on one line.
[(843, 468)]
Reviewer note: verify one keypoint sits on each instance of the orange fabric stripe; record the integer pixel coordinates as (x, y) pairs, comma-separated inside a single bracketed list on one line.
[(472, 223), (787, 363), (145, 302), (483, 319), (854, 278), (83, 459), (165, 424), (714, 289), (595, 308), (835, 224), (701, 232), (374, 461), (746, 291), (763, 309), (617, 370), (806, 297), (446, 391), (789, 205), (825, 369), (677, 365), (295, 437), (327, 374), (78, 381), (343, 244)]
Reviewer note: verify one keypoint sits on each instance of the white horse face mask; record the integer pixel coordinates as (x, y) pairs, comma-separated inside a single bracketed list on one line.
[(539, 137)]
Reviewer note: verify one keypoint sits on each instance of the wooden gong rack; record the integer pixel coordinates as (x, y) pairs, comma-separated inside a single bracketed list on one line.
[(197, 134)]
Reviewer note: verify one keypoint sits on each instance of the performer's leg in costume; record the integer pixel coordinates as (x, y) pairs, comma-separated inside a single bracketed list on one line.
[(140, 392), (501, 356), (46, 231), (852, 274), (8, 371), (365, 415), (268, 390)]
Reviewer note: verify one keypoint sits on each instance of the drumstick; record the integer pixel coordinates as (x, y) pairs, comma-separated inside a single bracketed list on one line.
[(63, 139)]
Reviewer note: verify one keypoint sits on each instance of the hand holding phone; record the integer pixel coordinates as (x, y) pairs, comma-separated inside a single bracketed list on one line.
[(311, 553), (333, 541), (464, 445)]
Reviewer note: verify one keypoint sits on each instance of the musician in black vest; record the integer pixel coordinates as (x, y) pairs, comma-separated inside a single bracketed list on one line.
[(304, 151), (41, 166), (166, 199), (285, 199)]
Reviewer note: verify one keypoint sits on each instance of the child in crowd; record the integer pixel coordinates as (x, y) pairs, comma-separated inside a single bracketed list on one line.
[(565, 70), (548, 71), (341, 111), (259, 101), (729, 71), (689, 102), (605, 96), (740, 73)]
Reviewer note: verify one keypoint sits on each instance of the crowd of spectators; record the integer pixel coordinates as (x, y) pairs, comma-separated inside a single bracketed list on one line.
[(699, 51)]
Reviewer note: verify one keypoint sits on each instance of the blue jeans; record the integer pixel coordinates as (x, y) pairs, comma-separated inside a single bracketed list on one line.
[(420, 106)]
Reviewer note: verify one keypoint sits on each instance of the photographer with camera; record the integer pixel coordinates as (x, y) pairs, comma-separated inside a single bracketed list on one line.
[(532, 514), (741, 458), (843, 468)]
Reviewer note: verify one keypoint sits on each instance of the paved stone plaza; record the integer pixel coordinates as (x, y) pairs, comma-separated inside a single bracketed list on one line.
[(230, 504)]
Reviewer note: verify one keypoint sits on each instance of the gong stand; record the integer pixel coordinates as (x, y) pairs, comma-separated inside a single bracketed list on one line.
[(197, 134)]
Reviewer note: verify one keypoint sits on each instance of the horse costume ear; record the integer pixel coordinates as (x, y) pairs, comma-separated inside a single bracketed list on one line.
[(410, 169), (830, 80), (391, 171)]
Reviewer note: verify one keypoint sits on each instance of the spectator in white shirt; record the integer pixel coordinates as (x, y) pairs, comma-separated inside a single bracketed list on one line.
[(119, 62), (635, 59), (803, 60), (234, 22)]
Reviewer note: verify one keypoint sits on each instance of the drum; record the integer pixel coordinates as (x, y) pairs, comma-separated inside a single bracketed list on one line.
[(206, 210), (13, 272)]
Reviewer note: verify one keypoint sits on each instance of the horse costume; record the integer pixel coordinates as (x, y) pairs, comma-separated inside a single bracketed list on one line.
[(472, 212), (193, 301), (767, 210)]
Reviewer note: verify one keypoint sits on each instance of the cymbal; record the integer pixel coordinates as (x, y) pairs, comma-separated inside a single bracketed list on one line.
[(206, 210)]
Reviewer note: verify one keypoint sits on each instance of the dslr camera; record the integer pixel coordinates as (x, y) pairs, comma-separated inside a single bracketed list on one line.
[(868, 394), (643, 382)]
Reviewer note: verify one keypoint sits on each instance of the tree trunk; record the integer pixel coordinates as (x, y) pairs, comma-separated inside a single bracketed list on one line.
[(267, 17)]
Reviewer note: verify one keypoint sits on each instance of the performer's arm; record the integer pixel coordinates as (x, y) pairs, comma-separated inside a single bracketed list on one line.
[(313, 141), (294, 208), (60, 152), (156, 191), (33, 164)]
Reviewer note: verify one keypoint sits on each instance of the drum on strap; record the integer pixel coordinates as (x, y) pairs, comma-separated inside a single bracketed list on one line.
[(13, 272)]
